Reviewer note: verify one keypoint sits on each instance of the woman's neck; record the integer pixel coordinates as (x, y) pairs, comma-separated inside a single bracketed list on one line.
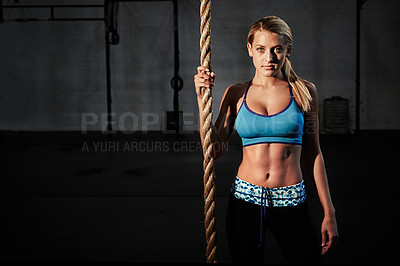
[(267, 81)]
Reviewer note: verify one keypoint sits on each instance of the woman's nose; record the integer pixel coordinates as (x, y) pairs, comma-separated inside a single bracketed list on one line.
[(270, 57)]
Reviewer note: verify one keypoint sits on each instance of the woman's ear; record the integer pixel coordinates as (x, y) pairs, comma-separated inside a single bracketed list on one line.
[(288, 50), (249, 49)]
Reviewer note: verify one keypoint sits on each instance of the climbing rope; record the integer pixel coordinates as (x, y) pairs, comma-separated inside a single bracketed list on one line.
[(208, 162)]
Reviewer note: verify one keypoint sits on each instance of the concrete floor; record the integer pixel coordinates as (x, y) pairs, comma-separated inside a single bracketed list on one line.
[(68, 196)]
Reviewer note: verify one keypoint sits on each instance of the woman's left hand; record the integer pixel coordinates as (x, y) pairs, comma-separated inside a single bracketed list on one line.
[(329, 233)]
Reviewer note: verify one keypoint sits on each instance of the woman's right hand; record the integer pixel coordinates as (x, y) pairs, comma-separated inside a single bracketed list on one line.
[(203, 79)]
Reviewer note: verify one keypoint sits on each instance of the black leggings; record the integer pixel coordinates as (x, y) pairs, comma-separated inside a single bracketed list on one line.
[(291, 226)]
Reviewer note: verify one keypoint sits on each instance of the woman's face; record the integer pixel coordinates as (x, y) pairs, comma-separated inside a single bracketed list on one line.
[(268, 51)]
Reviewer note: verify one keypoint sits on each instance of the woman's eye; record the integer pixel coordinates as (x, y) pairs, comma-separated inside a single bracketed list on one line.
[(278, 50)]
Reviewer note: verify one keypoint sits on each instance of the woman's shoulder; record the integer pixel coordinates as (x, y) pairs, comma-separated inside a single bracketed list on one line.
[(311, 87), (234, 93), (237, 89)]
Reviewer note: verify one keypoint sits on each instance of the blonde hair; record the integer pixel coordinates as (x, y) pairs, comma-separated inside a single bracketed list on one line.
[(277, 25)]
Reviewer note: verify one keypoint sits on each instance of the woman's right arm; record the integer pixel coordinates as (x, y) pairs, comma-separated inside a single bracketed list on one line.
[(226, 117)]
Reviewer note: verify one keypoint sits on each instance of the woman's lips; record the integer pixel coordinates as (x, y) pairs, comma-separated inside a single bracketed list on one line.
[(268, 67)]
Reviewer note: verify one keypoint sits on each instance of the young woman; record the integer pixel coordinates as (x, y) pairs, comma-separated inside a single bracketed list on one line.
[(276, 115)]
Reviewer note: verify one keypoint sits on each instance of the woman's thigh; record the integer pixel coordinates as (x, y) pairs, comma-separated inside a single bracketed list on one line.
[(243, 231), (295, 233)]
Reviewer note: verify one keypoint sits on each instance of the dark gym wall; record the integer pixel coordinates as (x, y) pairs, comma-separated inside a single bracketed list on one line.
[(53, 73)]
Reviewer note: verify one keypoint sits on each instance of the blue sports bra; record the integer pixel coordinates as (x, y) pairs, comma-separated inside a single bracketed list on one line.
[(283, 127)]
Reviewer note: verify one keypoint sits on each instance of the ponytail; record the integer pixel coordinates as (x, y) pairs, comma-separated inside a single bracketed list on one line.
[(299, 88)]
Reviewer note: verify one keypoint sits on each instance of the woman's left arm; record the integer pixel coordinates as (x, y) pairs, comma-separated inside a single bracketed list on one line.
[(314, 163)]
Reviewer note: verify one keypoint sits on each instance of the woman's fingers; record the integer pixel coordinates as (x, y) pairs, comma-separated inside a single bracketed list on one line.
[(201, 81), (203, 71), (328, 240), (204, 78)]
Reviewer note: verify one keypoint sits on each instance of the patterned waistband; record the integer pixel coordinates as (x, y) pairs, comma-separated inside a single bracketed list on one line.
[(263, 196)]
